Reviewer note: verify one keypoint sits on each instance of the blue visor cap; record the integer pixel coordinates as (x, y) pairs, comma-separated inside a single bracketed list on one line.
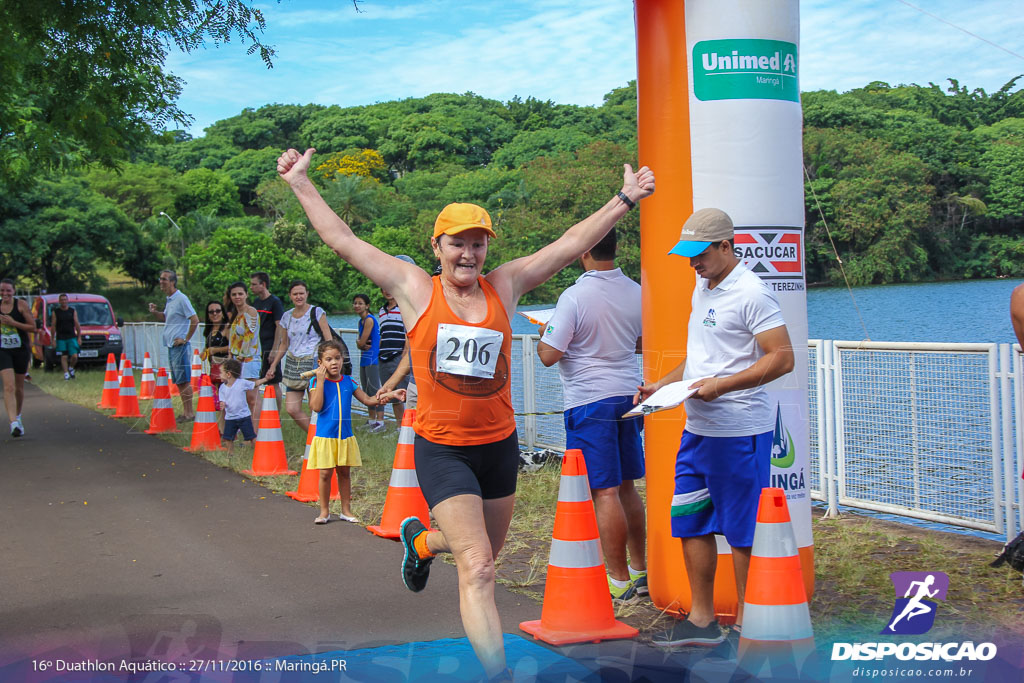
[(689, 248)]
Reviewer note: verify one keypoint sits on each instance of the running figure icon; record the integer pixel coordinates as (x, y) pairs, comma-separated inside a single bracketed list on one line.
[(915, 607), (919, 591)]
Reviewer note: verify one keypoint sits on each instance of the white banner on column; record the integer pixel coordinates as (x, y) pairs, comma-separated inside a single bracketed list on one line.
[(746, 146)]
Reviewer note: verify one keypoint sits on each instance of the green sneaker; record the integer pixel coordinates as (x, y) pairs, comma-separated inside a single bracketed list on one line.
[(623, 596), (415, 571), (640, 579)]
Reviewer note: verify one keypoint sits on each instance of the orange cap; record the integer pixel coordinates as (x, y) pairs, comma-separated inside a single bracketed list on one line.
[(457, 217)]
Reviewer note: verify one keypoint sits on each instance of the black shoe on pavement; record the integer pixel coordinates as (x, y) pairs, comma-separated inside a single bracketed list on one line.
[(415, 571), (686, 632)]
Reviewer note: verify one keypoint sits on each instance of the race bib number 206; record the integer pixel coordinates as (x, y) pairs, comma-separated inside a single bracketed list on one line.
[(468, 351)]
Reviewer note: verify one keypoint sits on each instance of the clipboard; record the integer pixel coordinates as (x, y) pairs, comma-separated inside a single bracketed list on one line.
[(666, 398), (538, 317)]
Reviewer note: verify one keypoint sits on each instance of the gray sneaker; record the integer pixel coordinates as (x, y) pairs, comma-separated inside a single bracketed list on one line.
[(686, 632), (16, 429), (378, 428)]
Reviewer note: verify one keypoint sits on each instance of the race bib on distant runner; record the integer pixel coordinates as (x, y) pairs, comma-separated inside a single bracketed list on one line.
[(9, 338), (468, 351)]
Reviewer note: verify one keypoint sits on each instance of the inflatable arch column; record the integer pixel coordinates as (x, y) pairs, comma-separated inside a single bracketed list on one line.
[(720, 124)]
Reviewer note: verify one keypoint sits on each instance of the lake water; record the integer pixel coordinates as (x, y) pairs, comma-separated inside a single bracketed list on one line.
[(966, 311)]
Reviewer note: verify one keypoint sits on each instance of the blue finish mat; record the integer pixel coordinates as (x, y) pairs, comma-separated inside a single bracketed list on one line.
[(448, 659)]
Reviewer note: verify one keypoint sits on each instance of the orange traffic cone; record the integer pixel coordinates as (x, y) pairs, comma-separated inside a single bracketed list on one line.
[(577, 605), (172, 386), (111, 385), (205, 435), (405, 499), (777, 632), (120, 368), (161, 416), (127, 397), (268, 458), (197, 370), (148, 385), (309, 481)]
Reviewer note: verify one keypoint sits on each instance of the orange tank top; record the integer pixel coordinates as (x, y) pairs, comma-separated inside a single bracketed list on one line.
[(454, 408)]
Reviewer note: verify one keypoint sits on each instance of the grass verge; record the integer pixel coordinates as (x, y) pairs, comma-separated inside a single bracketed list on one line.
[(853, 554)]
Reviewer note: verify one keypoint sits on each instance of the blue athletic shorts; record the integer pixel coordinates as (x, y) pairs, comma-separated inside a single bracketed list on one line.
[(718, 485), (243, 424), (611, 446), (68, 346), (179, 358)]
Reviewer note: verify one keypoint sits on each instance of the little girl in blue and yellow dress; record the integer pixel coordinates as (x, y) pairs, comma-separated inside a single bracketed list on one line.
[(334, 446)]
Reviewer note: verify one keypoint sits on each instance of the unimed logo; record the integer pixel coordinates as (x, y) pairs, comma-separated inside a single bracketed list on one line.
[(745, 69)]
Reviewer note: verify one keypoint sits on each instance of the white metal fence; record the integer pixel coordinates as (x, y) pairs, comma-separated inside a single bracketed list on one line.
[(930, 431)]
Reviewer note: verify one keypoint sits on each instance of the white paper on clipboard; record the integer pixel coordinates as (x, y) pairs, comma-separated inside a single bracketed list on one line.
[(539, 317), (665, 398)]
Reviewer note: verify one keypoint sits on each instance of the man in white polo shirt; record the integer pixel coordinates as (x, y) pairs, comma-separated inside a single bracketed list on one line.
[(594, 336), (736, 342)]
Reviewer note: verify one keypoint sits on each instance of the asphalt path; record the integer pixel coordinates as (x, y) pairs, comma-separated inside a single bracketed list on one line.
[(117, 544)]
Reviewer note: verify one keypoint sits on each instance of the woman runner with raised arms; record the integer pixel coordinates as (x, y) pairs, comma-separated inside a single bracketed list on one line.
[(460, 339)]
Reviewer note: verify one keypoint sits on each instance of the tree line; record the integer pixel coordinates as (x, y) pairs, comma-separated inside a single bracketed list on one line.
[(908, 182)]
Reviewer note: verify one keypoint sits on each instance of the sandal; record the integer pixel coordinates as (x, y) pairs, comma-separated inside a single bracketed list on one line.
[(348, 518), (321, 520)]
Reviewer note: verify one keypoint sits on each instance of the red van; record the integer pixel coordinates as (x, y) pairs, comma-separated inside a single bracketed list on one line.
[(100, 329)]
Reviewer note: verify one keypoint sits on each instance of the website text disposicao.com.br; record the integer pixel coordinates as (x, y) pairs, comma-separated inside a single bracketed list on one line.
[(868, 672), (909, 654)]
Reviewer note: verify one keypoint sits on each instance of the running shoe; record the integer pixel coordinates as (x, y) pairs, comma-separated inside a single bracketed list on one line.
[(16, 429), (686, 632), (67, 376), (415, 571), (72, 371), (640, 579), (623, 596), (377, 428)]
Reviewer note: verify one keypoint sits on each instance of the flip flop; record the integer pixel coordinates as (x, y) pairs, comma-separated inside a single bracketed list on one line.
[(348, 518), (321, 520)]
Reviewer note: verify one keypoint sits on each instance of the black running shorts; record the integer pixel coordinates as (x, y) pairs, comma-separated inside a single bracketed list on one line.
[(488, 470), (15, 359)]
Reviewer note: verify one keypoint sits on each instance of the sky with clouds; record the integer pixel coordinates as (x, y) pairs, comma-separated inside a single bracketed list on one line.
[(570, 51)]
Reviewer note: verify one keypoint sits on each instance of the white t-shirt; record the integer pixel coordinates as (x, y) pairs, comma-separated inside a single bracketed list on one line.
[(302, 341), (178, 314), (720, 342), (233, 399), (595, 325)]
